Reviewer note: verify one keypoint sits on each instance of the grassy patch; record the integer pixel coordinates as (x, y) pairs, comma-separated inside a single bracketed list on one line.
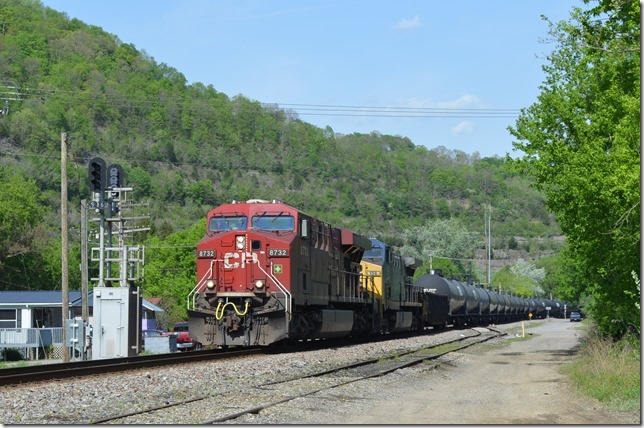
[(608, 371), (7, 365)]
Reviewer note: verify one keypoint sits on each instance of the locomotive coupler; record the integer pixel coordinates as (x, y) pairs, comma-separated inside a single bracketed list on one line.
[(232, 322)]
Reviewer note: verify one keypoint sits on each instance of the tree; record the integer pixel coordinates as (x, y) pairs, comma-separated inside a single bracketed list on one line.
[(581, 141), (20, 214), (170, 269), (443, 239)]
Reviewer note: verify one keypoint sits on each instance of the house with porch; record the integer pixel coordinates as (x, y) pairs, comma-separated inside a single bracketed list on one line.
[(33, 319)]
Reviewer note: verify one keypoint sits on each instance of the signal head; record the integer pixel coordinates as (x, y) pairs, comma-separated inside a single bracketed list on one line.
[(96, 175)]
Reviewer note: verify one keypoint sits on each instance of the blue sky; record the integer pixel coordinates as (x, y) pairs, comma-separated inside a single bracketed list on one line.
[(380, 58)]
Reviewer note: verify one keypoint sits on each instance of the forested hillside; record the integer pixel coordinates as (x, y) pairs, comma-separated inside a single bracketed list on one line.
[(187, 147)]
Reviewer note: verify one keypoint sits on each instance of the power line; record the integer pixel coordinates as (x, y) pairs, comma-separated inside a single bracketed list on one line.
[(302, 109), (389, 111)]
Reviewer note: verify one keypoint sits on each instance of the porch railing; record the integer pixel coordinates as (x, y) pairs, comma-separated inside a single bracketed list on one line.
[(28, 340)]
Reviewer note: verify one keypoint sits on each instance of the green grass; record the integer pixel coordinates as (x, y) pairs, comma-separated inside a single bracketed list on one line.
[(608, 371), (7, 365)]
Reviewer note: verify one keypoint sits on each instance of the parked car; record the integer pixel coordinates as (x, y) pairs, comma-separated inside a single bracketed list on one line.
[(575, 317), (184, 341)]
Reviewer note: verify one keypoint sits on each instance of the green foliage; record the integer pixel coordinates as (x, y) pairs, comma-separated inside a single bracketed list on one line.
[(20, 214), (446, 266), (446, 239), (609, 371), (170, 270), (116, 102), (582, 144), (515, 281), (187, 147)]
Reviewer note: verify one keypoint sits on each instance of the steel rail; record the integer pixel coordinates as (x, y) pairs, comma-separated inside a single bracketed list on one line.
[(56, 371)]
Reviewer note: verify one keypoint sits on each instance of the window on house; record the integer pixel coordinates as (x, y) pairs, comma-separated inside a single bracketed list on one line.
[(8, 318)]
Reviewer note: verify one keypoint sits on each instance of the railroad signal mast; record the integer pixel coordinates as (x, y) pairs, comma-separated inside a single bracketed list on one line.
[(120, 266)]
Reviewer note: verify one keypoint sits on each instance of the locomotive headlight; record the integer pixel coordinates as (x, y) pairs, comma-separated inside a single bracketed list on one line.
[(240, 242), (259, 284), (210, 284)]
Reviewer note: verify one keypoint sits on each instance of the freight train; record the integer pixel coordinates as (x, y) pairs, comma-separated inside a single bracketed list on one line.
[(268, 273)]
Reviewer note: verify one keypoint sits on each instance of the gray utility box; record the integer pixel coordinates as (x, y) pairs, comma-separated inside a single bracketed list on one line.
[(117, 325), (160, 344)]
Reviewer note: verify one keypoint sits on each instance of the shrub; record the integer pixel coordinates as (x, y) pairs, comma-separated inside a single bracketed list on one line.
[(11, 354)]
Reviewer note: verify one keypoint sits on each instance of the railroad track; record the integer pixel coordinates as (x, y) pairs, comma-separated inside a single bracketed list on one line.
[(47, 372), (58, 371), (274, 393)]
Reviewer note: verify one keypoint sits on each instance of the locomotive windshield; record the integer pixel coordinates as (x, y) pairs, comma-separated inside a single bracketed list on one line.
[(218, 224), (273, 222), (375, 255)]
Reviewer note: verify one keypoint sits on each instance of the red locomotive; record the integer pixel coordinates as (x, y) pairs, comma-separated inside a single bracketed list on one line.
[(267, 272)]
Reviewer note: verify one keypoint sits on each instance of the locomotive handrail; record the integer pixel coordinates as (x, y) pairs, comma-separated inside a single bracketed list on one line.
[(194, 290), (353, 288), (288, 304)]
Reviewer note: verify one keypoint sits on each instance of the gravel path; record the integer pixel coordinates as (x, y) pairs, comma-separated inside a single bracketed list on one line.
[(517, 384)]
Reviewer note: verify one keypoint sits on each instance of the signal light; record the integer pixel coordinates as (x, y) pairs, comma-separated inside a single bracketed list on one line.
[(96, 175), (115, 176)]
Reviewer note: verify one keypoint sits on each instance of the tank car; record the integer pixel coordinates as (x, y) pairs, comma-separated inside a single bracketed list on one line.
[(476, 306), (453, 290), (267, 273)]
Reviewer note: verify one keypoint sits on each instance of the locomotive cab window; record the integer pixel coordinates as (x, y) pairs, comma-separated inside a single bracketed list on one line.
[(219, 224), (273, 222), (375, 255)]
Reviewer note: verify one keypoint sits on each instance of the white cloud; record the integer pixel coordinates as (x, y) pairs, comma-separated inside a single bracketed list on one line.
[(408, 24), (463, 128)]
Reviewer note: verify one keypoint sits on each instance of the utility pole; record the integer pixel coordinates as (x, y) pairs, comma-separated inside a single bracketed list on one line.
[(487, 265), (431, 266), (489, 246), (487, 221), (64, 235)]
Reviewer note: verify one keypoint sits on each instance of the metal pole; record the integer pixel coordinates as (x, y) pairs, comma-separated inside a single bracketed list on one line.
[(108, 208), (84, 285), (101, 244), (64, 235)]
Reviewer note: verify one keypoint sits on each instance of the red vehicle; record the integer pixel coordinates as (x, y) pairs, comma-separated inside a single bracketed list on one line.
[(267, 272), (184, 341)]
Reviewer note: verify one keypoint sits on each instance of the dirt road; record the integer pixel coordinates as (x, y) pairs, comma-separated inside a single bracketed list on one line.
[(515, 384)]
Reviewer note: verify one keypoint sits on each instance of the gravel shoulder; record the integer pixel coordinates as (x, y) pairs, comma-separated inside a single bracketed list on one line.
[(519, 383), (501, 382)]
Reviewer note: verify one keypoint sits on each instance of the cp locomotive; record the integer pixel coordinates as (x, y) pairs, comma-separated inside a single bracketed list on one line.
[(269, 273)]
